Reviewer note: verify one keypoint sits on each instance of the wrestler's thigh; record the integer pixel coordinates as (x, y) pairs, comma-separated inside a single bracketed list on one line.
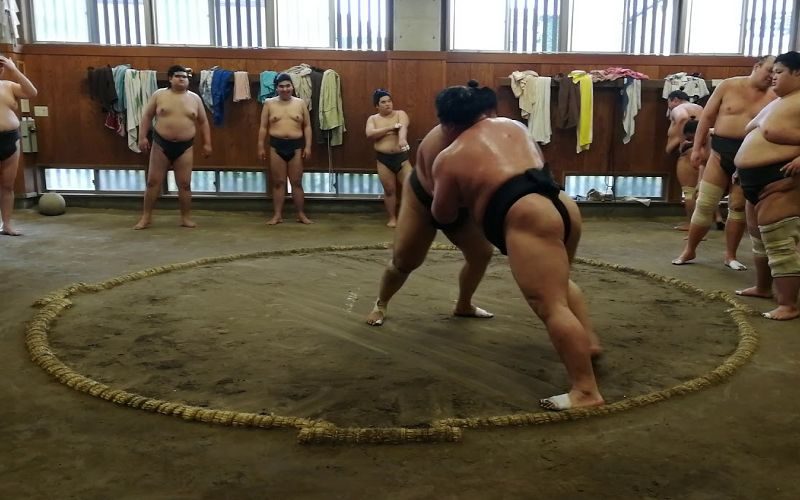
[(277, 166), (159, 164), (686, 173), (295, 169), (540, 267), (736, 198), (183, 167), (8, 170), (714, 173), (387, 178), (469, 238), (414, 232)]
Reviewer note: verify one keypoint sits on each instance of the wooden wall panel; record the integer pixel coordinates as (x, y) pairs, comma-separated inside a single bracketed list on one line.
[(74, 134)]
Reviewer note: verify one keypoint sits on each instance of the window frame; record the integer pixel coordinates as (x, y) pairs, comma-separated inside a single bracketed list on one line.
[(217, 38)]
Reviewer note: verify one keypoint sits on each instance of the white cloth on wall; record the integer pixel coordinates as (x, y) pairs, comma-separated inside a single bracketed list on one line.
[(695, 87), (140, 85), (539, 122), (301, 81), (633, 94)]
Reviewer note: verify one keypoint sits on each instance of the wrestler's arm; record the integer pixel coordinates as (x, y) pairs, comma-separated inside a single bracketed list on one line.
[(146, 121), (263, 129), (205, 129), (402, 132), (678, 119), (306, 131), (445, 193), (707, 120), (22, 88), (374, 133)]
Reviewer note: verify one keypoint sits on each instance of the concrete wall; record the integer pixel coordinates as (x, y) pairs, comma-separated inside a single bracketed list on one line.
[(417, 25)]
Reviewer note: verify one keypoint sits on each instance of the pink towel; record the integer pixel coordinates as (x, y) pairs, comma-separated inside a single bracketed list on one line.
[(241, 86)]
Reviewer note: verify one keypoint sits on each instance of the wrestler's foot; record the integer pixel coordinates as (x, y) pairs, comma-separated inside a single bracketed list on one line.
[(186, 222), (754, 291), (143, 223), (301, 218), (9, 231), (377, 315), (472, 312), (686, 238), (735, 265), (783, 313), (684, 258), (392, 223), (575, 399), (276, 219), (681, 227)]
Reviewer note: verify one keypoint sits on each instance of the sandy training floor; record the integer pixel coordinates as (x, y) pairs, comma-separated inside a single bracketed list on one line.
[(285, 335)]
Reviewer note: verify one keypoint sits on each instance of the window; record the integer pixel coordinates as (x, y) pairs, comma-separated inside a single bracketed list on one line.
[(342, 24), (61, 20), (725, 36), (649, 27), (749, 27), (302, 24), (182, 22)]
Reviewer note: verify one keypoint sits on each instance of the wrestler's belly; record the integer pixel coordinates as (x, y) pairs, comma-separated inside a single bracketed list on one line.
[(176, 129), (778, 206), (756, 151), (388, 145), (286, 129), (8, 120), (731, 126)]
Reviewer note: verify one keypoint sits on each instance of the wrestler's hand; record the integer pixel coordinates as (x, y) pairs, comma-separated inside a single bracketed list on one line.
[(404, 146), (735, 177), (144, 145), (306, 153), (206, 150), (697, 157), (684, 146), (791, 168), (7, 63), (262, 154)]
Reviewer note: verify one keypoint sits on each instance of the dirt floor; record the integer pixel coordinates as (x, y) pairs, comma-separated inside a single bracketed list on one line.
[(285, 335)]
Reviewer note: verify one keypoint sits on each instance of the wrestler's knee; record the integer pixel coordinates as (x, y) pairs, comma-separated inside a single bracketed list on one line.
[(152, 183), (780, 242), (279, 185), (735, 215), (707, 203), (184, 186), (389, 192), (403, 267)]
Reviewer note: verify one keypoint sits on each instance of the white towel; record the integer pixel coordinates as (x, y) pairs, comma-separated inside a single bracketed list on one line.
[(634, 92)]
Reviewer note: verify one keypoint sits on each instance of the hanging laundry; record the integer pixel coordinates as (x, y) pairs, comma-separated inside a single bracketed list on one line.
[(301, 81), (331, 114), (140, 85), (568, 110), (206, 77), (221, 89), (584, 131), (267, 87), (694, 86), (632, 104), (241, 86)]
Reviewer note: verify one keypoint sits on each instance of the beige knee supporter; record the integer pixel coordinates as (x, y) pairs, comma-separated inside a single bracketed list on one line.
[(758, 246), (736, 215), (688, 192), (707, 203), (780, 242)]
